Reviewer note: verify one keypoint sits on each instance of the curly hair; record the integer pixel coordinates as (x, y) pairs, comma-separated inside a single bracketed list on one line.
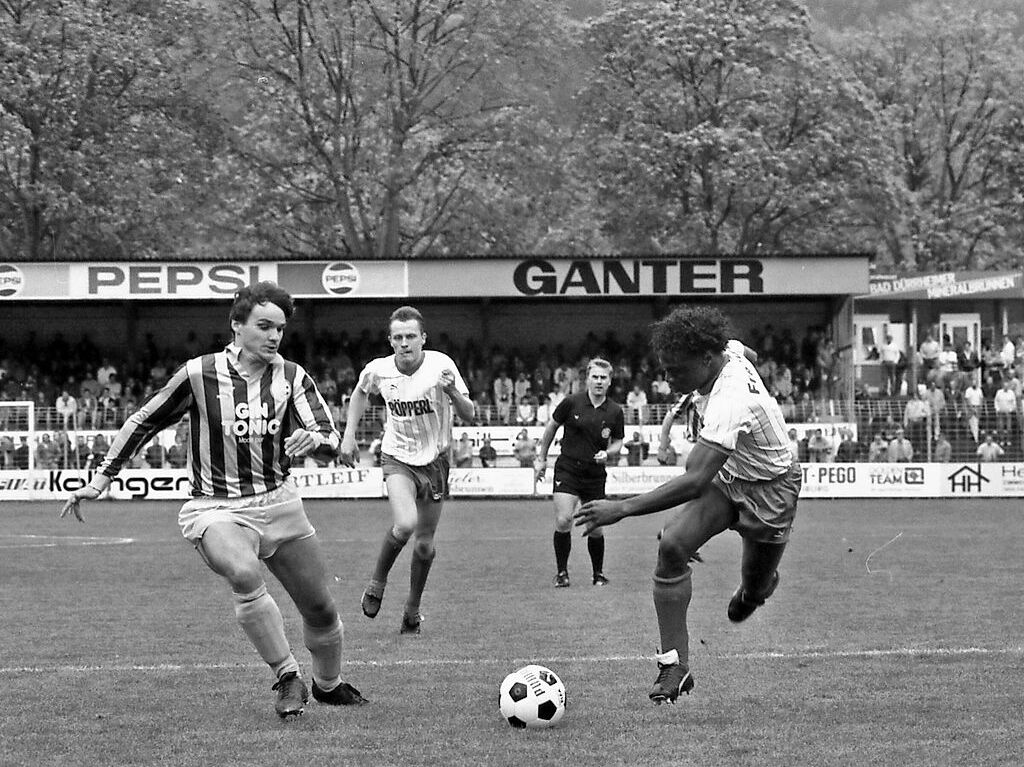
[(690, 330), (264, 292)]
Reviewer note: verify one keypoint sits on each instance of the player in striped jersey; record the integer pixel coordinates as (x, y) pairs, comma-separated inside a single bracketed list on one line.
[(740, 475), (421, 388), (251, 413)]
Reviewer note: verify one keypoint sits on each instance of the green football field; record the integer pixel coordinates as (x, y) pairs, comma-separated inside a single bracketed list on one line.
[(896, 638)]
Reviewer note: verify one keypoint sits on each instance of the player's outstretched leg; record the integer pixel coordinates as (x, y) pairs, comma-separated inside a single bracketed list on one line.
[(373, 594), (759, 578)]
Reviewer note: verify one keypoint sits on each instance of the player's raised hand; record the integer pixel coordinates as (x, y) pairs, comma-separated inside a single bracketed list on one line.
[(348, 453), (72, 504), (595, 514)]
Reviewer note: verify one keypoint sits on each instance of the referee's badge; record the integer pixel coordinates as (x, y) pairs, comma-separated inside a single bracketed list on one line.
[(606, 433), (281, 390)]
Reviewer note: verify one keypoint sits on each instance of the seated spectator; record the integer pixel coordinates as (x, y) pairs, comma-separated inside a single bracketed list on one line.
[(637, 450), (46, 453), (849, 449), (543, 410), (878, 450), (943, 451), (67, 408), (376, 448), (661, 390), (989, 450), (901, 450), (155, 454), (794, 444), (464, 452), (636, 404), (488, 455), (668, 456), (526, 413), (177, 454)]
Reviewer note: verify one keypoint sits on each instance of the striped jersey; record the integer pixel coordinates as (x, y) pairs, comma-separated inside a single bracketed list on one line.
[(739, 417), (237, 422), (419, 414)]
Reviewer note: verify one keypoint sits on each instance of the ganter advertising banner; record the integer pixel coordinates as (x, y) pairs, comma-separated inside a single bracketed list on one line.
[(433, 278)]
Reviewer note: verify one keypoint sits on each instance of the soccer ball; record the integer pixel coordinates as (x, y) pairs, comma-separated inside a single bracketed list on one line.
[(532, 696)]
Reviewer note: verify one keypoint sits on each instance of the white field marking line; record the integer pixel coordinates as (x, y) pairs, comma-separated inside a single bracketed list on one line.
[(867, 562), (896, 652), (26, 541)]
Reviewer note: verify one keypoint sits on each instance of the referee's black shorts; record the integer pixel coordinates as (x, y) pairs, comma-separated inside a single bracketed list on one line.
[(584, 479)]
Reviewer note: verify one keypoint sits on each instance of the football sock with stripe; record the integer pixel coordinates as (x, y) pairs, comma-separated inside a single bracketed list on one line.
[(325, 646), (260, 619), (671, 602), (563, 545)]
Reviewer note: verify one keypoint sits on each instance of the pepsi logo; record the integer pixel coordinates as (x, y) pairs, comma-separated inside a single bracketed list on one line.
[(11, 280), (340, 278)]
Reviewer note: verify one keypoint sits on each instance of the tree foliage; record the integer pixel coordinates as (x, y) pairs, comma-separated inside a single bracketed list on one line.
[(718, 126), (950, 86), (385, 128), (98, 149)]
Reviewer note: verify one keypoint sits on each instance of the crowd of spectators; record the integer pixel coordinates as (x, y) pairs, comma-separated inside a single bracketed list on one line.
[(77, 386)]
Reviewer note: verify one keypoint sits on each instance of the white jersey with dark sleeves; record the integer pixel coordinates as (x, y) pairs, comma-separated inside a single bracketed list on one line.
[(741, 418)]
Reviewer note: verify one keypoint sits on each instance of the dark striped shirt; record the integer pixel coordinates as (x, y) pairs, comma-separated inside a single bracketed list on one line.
[(237, 423)]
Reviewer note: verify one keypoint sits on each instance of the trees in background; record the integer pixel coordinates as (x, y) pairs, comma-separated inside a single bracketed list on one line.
[(401, 128)]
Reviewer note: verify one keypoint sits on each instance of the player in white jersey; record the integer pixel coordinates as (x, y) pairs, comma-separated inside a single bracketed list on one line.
[(251, 413), (740, 475), (421, 388)]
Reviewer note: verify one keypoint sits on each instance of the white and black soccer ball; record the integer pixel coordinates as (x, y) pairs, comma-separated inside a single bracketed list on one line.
[(532, 696)]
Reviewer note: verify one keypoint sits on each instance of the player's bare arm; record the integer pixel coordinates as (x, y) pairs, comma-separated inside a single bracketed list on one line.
[(463, 405), (540, 462), (348, 453), (702, 465)]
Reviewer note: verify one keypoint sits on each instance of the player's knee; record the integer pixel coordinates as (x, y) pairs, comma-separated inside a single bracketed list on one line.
[(673, 554), (243, 576), (402, 533), (424, 547)]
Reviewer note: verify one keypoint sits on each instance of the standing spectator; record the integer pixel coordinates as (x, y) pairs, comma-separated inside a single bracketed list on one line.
[(936, 400), (46, 453), (890, 356), (901, 450), (819, 447), (973, 399), (930, 351), (6, 452), (1007, 354), (878, 450), (21, 454), (967, 363), (521, 387), (943, 452), (989, 450), (915, 421), (1005, 405), (464, 452), (488, 455), (637, 450), (947, 363), (67, 407), (661, 390), (503, 390), (524, 449), (794, 444), (104, 372), (636, 401)]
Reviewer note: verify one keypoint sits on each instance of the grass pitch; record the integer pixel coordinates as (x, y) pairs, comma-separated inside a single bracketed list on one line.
[(895, 638)]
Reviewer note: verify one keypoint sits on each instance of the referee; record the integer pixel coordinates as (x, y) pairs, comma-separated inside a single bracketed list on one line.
[(593, 428)]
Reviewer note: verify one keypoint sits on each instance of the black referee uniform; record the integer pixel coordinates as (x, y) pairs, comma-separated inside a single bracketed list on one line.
[(585, 430)]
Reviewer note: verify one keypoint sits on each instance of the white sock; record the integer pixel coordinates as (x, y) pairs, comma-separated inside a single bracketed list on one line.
[(325, 646), (669, 658), (260, 619)]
